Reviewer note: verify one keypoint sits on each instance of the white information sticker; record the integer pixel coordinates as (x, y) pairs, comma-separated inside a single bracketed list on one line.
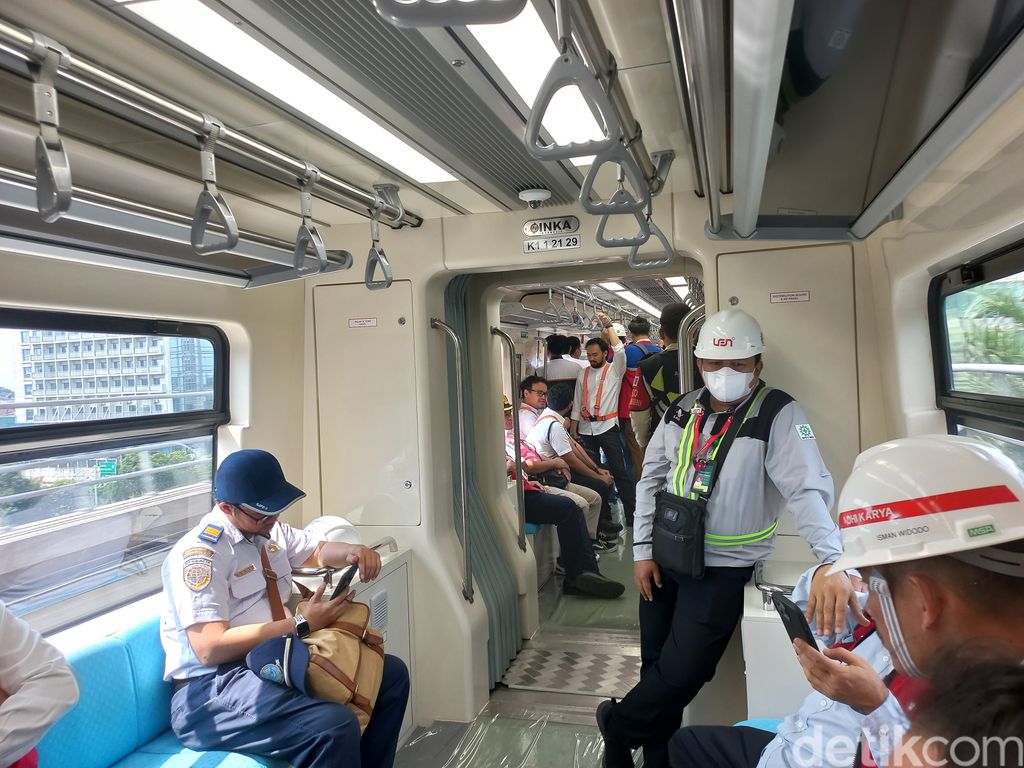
[(362, 322), (552, 244), (789, 297)]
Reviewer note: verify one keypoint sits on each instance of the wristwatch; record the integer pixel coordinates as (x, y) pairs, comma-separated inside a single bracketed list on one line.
[(301, 625)]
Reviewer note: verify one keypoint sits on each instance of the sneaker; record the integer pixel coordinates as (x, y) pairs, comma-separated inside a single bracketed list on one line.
[(616, 754), (602, 545), (594, 585)]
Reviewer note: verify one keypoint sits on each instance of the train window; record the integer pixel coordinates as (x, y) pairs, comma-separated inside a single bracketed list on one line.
[(977, 319), (101, 471)]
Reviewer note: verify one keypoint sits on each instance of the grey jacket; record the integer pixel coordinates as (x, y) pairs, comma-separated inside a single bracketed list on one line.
[(773, 464)]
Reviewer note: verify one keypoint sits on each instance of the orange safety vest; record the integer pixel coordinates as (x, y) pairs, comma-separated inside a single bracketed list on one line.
[(595, 414)]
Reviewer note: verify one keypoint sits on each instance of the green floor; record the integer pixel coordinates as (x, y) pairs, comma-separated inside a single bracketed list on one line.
[(619, 615)]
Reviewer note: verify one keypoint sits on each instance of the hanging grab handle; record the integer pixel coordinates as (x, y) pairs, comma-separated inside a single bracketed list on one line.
[(551, 311), (308, 234), (53, 171), (447, 13), (628, 168), (569, 69), (655, 264), (623, 242), (386, 194), (211, 203)]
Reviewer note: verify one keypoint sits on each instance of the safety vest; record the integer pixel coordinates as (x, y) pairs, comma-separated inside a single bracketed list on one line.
[(661, 372), (690, 452), (595, 412)]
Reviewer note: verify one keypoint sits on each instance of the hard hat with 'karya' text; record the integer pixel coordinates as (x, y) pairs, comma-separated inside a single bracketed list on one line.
[(731, 334), (933, 495)]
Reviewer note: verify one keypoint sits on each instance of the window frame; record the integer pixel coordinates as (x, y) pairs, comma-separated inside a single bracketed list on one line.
[(992, 413), (72, 433)]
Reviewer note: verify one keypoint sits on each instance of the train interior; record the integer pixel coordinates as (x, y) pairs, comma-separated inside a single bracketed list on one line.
[(391, 219)]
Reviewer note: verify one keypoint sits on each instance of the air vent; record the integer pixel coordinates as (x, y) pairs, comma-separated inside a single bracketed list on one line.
[(379, 611)]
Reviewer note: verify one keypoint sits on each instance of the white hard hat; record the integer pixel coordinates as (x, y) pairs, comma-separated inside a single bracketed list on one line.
[(334, 528), (933, 495), (619, 329), (731, 334)]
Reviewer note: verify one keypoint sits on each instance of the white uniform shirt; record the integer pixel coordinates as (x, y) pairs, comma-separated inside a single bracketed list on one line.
[(38, 682), (528, 416), (561, 369), (548, 436), (214, 573), (609, 400), (582, 362)]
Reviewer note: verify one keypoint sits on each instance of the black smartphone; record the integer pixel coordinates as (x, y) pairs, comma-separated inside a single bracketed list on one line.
[(794, 620), (344, 580)]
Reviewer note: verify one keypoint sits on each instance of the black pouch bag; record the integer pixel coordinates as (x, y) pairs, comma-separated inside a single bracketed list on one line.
[(678, 536), (552, 478)]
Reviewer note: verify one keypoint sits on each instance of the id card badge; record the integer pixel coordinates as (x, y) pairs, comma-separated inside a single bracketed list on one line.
[(702, 478)]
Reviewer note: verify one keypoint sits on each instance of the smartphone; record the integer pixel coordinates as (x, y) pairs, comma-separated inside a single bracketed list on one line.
[(794, 620), (345, 579)]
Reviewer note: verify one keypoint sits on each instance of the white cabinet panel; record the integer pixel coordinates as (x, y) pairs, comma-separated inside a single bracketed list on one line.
[(369, 435), (810, 338)]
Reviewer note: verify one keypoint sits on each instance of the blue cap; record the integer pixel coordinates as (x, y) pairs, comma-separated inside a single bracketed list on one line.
[(281, 660), (254, 478)]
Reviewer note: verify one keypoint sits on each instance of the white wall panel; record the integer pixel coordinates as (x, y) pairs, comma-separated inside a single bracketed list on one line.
[(369, 443)]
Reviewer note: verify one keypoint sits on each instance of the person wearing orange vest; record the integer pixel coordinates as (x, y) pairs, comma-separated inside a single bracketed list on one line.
[(639, 348), (595, 411), (936, 524)]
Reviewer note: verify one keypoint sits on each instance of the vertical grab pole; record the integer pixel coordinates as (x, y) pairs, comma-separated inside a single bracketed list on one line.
[(520, 494), (685, 353), (467, 586)]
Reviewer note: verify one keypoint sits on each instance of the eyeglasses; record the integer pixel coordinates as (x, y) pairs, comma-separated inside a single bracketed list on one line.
[(539, 392), (258, 519)]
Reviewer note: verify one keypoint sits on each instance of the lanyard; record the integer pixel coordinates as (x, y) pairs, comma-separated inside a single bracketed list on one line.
[(600, 389), (700, 455)]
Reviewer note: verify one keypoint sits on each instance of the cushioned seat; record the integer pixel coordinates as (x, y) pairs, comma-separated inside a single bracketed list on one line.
[(122, 718), (765, 724), (532, 529)]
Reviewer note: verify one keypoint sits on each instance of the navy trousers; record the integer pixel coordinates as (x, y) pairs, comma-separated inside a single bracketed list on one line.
[(234, 710), (573, 540)]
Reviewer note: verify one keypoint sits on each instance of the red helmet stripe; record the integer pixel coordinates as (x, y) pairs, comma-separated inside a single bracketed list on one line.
[(927, 505)]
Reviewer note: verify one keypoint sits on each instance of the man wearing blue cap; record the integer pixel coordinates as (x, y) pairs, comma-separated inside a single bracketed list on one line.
[(224, 583)]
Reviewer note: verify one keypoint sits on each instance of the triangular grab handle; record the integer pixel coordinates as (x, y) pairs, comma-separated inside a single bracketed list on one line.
[(208, 204), (374, 257), (309, 236), (53, 180), (657, 263), (621, 157), (639, 238), (569, 69)]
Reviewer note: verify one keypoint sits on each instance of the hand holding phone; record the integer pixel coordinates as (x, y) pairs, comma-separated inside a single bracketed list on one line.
[(794, 620), (344, 580)]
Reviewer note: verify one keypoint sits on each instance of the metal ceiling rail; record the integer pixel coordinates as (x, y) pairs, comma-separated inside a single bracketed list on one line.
[(103, 83)]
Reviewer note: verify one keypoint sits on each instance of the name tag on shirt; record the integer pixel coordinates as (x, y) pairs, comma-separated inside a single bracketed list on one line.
[(702, 478)]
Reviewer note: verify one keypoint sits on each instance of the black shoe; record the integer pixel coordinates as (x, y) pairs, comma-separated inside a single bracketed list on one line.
[(594, 585), (616, 754), (602, 545), (610, 529)]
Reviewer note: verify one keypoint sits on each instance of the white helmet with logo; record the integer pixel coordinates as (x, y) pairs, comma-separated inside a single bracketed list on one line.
[(933, 495), (731, 334), (620, 330)]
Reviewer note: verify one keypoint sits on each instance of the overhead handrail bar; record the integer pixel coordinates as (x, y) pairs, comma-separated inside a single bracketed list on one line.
[(656, 232), (308, 234), (447, 13), (211, 203), (102, 83), (467, 545), (53, 170), (641, 237), (690, 20), (387, 196), (520, 492), (627, 169), (689, 321)]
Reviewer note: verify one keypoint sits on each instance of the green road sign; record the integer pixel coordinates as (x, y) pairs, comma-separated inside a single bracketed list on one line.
[(108, 468)]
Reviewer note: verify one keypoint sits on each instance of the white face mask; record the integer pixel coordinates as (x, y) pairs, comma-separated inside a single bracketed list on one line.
[(727, 385)]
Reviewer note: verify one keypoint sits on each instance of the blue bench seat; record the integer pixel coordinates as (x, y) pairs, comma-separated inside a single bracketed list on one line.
[(122, 719)]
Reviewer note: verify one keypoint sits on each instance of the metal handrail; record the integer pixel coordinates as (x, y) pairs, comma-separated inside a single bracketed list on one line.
[(85, 74), (767, 588), (685, 353), (327, 571), (520, 493), (467, 545)]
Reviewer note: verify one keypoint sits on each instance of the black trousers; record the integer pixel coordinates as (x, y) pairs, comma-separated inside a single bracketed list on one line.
[(573, 539), (684, 631), (722, 746), (602, 488), (611, 443)]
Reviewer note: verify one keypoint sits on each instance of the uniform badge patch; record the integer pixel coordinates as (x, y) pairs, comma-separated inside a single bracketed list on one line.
[(212, 533), (805, 432), (197, 568), (272, 547), (272, 672)]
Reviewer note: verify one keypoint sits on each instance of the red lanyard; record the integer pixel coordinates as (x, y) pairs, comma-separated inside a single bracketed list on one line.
[(699, 454)]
